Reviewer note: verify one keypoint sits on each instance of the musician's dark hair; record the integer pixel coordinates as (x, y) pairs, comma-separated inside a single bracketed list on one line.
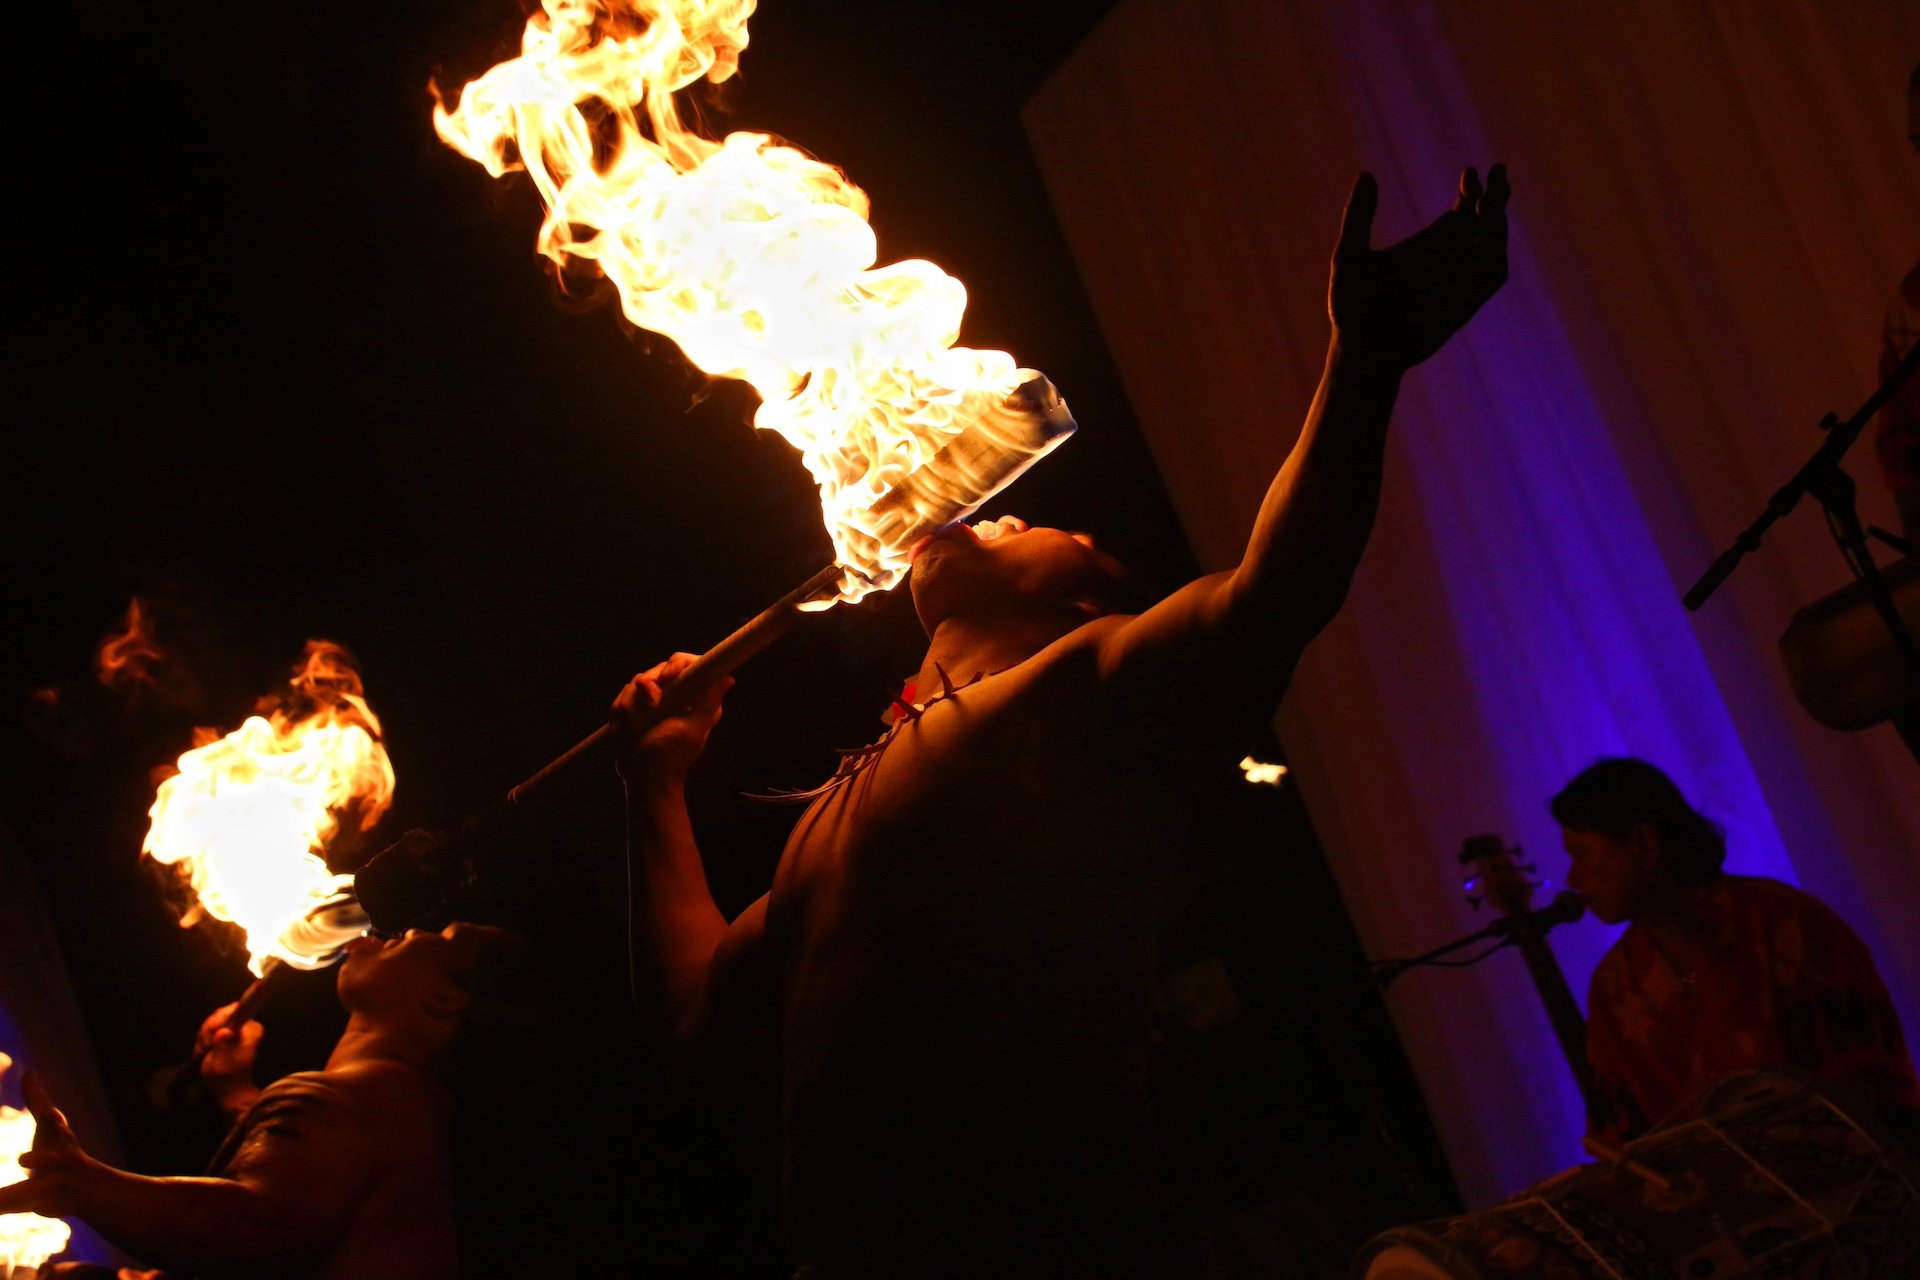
[(1612, 796)]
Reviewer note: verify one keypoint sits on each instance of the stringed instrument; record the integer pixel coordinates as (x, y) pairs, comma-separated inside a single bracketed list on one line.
[(1498, 877)]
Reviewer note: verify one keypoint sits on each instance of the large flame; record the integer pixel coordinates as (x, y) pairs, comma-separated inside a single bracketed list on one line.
[(756, 259), (249, 816), (26, 1239)]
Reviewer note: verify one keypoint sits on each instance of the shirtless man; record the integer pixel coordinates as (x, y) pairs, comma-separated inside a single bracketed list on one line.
[(334, 1173), (957, 952)]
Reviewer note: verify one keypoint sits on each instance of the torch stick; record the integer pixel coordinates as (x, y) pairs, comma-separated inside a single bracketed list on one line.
[(176, 1088), (322, 935), (410, 880), (750, 638)]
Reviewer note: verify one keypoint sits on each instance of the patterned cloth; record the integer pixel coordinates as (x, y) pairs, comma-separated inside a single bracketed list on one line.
[(1765, 1177), (1772, 977)]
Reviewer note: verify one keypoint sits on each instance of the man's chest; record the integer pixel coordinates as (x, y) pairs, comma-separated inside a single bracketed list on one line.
[(990, 782)]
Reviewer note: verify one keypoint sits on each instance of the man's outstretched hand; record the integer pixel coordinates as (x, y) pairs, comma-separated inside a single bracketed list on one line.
[(1401, 303), (59, 1172), (653, 745)]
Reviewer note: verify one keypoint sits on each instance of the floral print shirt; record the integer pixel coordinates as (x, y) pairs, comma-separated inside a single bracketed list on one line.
[(1770, 977)]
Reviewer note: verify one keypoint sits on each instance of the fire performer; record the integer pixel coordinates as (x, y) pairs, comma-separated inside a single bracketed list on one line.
[(333, 1173), (957, 951)]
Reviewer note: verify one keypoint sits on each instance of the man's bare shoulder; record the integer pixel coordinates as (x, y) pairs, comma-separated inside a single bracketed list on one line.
[(1077, 654), (379, 1092)]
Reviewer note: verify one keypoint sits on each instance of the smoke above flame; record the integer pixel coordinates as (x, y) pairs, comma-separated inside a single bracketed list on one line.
[(249, 816), (756, 259), (26, 1239)]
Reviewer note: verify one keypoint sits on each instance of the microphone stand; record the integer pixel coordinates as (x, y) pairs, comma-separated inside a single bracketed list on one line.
[(1834, 489), (1506, 929)]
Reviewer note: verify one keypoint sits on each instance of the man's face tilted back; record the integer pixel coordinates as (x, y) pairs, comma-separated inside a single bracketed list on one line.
[(420, 974), (1006, 566)]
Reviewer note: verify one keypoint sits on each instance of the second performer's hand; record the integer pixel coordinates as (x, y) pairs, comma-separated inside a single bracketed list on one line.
[(61, 1176), (657, 746), (226, 1059)]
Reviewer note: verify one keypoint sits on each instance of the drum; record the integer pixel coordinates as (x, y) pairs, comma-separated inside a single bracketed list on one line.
[(1771, 1175), (1845, 667)]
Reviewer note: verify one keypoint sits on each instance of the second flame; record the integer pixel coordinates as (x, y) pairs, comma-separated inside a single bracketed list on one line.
[(249, 816)]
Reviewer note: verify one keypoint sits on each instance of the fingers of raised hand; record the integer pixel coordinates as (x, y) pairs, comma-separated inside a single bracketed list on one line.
[(1470, 190), (1356, 224)]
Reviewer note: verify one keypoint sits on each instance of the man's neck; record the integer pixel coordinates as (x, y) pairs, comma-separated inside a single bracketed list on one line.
[(965, 647), (365, 1041)]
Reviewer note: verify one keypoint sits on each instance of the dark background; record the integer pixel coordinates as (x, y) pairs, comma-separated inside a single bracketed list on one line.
[(290, 368)]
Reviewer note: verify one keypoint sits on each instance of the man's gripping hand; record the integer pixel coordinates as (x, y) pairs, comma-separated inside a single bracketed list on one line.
[(663, 746), (61, 1176), (226, 1059), (1399, 304)]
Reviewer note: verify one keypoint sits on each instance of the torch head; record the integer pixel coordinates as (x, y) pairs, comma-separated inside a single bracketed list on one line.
[(320, 937), (992, 451)]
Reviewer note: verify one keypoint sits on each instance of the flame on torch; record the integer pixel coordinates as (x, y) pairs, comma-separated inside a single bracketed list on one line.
[(249, 817), (26, 1239), (757, 260)]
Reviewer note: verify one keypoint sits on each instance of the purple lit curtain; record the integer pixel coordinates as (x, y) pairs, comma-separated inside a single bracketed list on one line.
[(1713, 205)]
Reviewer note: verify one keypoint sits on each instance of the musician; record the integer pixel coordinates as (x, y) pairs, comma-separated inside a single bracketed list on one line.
[(957, 953), (1717, 973), (343, 1172)]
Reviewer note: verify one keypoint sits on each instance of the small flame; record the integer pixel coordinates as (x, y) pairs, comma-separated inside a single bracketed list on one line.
[(757, 260), (1261, 774), (130, 657), (26, 1239), (249, 816)]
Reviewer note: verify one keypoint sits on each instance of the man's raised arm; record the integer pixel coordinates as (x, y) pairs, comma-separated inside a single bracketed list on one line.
[(1391, 308), (674, 930)]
